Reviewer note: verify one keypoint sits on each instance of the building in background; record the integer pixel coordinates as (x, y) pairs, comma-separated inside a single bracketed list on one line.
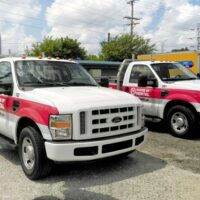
[(190, 59)]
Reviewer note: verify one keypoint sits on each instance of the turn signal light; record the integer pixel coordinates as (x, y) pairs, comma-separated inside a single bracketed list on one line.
[(60, 125)]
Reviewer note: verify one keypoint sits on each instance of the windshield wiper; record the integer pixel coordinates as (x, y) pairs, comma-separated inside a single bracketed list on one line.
[(39, 83), (56, 83), (81, 84), (178, 79), (191, 78)]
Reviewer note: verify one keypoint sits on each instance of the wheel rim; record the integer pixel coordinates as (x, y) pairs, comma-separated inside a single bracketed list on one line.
[(179, 122), (28, 153)]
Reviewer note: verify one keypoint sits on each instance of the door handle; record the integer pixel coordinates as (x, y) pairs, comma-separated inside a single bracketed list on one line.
[(164, 93), (15, 105)]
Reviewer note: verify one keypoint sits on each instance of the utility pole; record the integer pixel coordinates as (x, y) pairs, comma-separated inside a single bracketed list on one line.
[(9, 52), (198, 36), (108, 37), (162, 47), (132, 18), (0, 45)]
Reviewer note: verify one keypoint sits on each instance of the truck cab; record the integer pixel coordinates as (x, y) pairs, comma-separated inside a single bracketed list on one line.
[(168, 90)]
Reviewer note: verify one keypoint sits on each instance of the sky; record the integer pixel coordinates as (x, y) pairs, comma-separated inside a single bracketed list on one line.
[(169, 24)]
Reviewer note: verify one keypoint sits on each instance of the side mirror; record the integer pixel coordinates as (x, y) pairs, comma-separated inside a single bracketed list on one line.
[(143, 81), (6, 88), (104, 82)]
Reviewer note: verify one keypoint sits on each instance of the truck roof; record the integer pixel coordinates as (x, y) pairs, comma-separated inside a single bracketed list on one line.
[(150, 62), (34, 58), (176, 52)]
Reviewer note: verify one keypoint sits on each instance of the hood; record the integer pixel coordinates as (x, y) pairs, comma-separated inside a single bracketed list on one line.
[(69, 99), (188, 85)]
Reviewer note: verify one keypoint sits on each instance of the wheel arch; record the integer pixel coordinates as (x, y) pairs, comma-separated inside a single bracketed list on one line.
[(24, 122), (178, 102)]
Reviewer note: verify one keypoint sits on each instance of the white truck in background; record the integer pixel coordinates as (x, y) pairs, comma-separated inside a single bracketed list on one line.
[(168, 90), (52, 110)]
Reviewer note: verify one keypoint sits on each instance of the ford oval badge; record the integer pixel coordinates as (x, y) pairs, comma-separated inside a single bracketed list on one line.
[(116, 119)]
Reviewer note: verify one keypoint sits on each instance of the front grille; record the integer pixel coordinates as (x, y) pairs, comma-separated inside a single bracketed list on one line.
[(107, 121), (112, 121)]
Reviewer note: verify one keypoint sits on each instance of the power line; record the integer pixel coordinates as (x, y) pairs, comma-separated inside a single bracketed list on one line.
[(57, 23), (197, 29), (90, 9), (66, 5)]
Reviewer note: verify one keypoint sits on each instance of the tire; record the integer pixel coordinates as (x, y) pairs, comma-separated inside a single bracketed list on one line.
[(34, 161), (181, 121)]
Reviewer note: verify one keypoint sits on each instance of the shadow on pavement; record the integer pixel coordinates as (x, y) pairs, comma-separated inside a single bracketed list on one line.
[(80, 176), (77, 177), (79, 194), (10, 155), (160, 127)]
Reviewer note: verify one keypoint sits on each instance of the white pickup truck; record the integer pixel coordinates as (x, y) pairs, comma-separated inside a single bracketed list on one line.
[(53, 110), (168, 90)]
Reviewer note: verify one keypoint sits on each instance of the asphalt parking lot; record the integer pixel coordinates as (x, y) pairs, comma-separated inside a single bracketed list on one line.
[(164, 168)]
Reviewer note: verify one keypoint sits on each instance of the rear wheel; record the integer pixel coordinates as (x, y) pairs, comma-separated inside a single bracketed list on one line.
[(181, 121), (32, 154)]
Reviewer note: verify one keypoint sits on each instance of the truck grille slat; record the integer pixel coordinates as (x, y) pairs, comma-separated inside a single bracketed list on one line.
[(113, 128), (82, 123)]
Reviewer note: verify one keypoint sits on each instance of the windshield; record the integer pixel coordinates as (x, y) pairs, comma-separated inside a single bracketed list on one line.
[(38, 73), (173, 72)]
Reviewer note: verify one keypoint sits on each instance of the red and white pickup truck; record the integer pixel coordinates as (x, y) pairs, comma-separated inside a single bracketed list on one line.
[(53, 110), (168, 91)]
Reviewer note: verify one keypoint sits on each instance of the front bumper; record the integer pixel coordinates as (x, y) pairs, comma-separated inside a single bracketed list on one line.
[(95, 149)]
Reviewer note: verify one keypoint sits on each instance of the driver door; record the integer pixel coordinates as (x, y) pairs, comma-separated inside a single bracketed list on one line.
[(6, 85), (146, 94)]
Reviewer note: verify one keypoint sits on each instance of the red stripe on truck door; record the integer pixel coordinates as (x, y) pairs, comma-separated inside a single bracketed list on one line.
[(38, 112)]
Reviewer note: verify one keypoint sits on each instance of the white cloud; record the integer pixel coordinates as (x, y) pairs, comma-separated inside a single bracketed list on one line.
[(15, 18), (88, 21), (166, 22), (174, 28), (15, 40)]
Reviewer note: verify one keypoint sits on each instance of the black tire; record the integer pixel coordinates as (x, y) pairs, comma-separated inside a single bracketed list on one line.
[(34, 161), (181, 121)]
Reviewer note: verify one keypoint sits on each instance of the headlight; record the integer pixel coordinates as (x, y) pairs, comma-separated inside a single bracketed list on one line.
[(61, 127)]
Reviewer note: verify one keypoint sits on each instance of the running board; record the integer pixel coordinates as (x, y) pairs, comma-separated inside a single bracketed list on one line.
[(152, 119), (7, 143)]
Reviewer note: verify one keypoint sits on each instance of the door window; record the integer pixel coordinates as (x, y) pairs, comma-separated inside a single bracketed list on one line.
[(5, 78), (140, 70)]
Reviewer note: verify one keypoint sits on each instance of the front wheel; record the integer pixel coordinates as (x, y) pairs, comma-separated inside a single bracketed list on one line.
[(181, 121), (32, 154)]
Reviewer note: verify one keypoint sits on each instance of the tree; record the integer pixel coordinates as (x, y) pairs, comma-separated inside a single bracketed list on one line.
[(182, 49), (59, 47), (94, 57), (122, 47)]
